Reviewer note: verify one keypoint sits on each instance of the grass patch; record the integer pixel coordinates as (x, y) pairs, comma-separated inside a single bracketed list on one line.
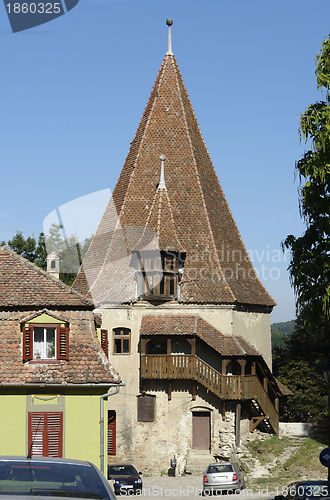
[(266, 450), (290, 460)]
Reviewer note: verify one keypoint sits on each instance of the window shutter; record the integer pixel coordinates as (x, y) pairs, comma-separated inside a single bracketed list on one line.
[(36, 433), (111, 432), (105, 342), (62, 343), (27, 343), (45, 431), (146, 408), (54, 434)]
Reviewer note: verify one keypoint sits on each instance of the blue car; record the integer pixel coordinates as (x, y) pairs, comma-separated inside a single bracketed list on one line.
[(126, 480)]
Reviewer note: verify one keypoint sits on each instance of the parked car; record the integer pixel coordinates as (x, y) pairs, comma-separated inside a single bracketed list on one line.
[(223, 476), (55, 477), (125, 478), (302, 490)]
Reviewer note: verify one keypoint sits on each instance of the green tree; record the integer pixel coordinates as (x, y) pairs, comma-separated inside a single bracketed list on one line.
[(69, 249), (299, 363), (310, 253), (29, 248)]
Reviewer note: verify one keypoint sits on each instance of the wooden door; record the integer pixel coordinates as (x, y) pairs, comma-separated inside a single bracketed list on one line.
[(201, 439)]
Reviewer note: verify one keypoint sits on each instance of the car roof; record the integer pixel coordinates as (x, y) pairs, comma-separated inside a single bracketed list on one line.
[(121, 465), (321, 481), (222, 463), (11, 458)]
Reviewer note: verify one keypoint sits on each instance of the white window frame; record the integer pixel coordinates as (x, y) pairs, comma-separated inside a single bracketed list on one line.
[(40, 349)]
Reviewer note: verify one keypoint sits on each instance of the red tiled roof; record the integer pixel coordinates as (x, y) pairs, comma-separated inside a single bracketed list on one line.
[(26, 291), (23, 284), (217, 267), (225, 344), (87, 364)]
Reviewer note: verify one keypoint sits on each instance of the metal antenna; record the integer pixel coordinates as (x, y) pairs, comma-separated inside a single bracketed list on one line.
[(169, 23)]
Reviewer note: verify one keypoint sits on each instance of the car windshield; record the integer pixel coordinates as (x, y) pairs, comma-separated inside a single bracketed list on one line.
[(220, 468), (121, 470), (49, 478)]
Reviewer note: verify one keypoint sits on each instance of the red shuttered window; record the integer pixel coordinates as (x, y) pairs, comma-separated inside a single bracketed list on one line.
[(105, 342), (111, 432), (45, 341), (45, 434)]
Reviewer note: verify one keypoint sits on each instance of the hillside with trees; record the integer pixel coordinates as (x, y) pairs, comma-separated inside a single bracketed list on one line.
[(299, 363)]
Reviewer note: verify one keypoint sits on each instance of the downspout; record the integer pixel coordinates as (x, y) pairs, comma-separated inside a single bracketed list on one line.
[(105, 396)]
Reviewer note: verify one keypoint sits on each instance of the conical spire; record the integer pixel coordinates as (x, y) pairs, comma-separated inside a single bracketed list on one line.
[(217, 267)]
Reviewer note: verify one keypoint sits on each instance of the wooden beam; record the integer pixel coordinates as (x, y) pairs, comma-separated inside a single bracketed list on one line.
[(143, 345), (277, 405), (242, 362), (224, 365), (253, 368), (169, 390), (255, 421), (223, 411), (192, 342), (194, 391), (169, 346), (265, 383), (238, 425)]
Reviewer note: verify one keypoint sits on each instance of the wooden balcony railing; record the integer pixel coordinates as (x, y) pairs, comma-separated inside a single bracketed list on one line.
[(181, 366)]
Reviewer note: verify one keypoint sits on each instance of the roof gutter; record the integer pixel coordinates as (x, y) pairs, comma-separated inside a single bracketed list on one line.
[(102, 398)]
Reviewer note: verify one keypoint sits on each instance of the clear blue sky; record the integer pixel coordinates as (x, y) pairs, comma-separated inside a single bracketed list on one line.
[(73, 92)]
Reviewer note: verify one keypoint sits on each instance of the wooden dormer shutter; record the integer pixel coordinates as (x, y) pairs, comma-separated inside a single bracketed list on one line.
[(105, 342), (62, 343), (27, 343)]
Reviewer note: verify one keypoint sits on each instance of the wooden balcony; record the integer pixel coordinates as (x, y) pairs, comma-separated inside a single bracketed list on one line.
[(230, 387)]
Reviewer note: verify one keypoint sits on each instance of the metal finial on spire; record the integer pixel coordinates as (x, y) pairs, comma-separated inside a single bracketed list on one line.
[(161, 184), (169, 23)]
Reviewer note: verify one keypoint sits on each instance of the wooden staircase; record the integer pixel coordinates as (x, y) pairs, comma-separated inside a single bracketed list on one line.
[(230, 387)]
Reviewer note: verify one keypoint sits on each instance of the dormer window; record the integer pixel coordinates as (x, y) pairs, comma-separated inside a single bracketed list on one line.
[(44, 346), (158, 275), (45, 342)]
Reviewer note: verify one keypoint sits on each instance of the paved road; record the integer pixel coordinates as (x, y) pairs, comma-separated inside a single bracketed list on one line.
[(179, 488)]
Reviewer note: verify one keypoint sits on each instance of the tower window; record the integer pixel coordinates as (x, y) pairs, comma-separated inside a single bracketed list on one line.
[(121, 341), (158, 275)]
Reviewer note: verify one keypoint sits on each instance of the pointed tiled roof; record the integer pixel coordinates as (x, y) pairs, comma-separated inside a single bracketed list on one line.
[(23, 284), (217, 267), (161, 221)]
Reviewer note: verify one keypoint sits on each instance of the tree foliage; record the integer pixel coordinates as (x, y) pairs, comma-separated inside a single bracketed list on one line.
[(69, 249), (298, 365), (310, 253), (30, 248)]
